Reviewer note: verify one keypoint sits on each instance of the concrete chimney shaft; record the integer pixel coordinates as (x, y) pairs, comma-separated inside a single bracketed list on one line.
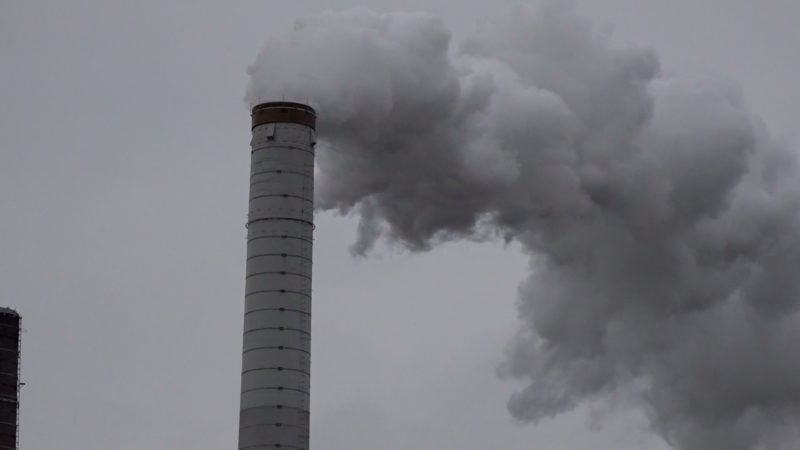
[(277, 319), (9, 378)]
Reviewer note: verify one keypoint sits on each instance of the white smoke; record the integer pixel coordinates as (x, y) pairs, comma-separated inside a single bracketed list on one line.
[(660, 217)]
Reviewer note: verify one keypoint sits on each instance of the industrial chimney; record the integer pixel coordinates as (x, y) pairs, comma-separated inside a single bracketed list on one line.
[(277, 318), (9, 378)]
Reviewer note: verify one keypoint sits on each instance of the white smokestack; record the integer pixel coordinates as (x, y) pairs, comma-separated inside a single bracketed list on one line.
[(277, 318), (660, 217)]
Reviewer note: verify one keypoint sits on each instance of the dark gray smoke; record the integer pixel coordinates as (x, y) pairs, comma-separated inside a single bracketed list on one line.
[(660, 217)]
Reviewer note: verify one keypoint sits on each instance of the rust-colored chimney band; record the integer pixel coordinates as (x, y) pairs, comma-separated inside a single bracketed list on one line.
[(287, 112)]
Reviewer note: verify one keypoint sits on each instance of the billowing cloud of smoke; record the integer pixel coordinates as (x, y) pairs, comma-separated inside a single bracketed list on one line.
[(660, 217)]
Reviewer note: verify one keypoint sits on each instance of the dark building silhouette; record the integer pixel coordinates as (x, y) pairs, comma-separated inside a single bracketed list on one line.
[(9, 378)]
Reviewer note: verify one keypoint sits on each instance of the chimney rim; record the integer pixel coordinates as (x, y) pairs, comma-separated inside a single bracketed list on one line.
[(283, 104)]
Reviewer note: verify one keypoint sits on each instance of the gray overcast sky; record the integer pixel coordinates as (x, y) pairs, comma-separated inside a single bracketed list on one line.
[(123, 191)]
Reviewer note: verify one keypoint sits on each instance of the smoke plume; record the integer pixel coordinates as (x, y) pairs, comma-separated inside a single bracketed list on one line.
[(659, 215)]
